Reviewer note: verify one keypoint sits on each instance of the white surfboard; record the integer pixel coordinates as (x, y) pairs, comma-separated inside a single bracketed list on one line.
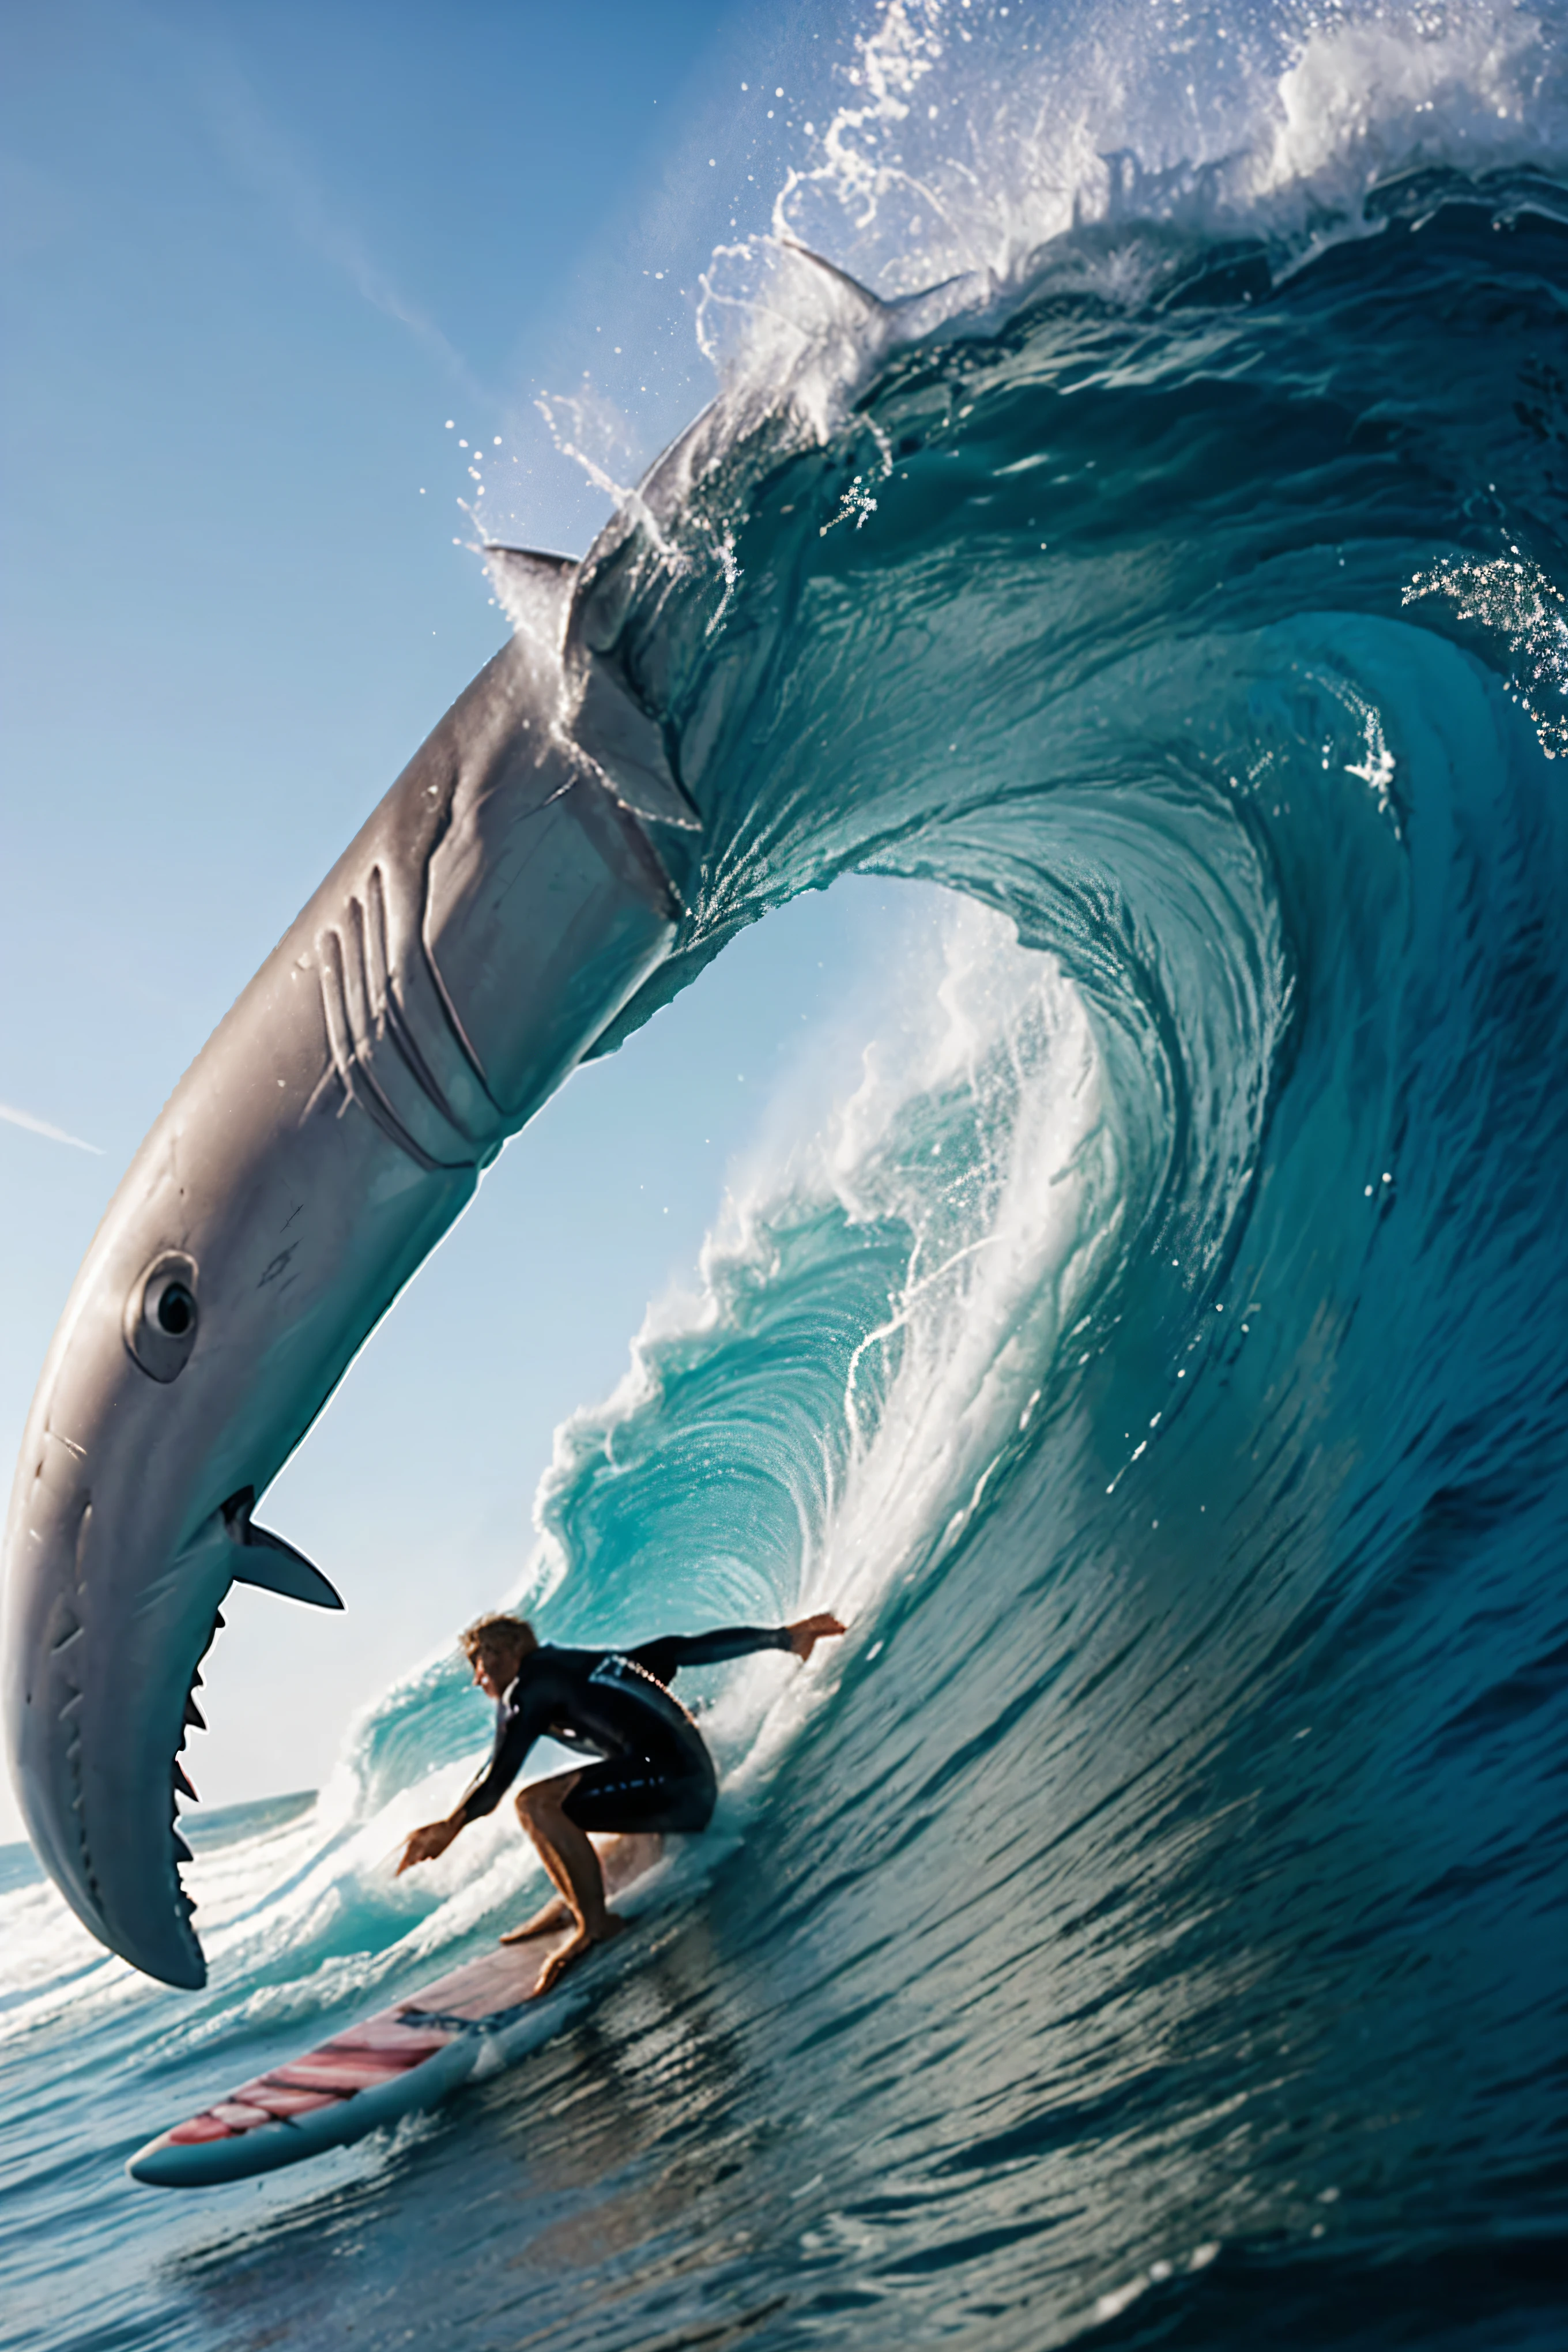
[(401, 2062)]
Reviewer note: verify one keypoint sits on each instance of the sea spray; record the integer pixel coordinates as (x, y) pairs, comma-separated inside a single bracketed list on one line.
[(1148, 1923)]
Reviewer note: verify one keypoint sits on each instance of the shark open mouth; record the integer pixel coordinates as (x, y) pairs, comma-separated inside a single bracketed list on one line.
[(262, 1559), (180, 1781), (102, 1684)]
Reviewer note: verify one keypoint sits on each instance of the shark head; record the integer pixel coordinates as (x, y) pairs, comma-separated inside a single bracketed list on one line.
[(252, 1244)]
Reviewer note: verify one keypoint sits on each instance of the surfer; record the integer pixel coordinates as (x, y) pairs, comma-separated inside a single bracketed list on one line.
[(651, 1770)]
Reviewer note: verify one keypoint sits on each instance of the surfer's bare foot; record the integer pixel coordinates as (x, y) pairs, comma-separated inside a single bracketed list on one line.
[(613, 1853), (555, 1914), (558, 1962)]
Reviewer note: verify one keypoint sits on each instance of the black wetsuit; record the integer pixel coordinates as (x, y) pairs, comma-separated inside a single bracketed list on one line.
[(654, 1772)]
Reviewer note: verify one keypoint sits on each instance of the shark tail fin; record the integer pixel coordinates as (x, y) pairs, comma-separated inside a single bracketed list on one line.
[(871, 305)]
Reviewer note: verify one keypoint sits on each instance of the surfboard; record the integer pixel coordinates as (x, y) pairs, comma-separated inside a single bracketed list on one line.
[(401, 2062)]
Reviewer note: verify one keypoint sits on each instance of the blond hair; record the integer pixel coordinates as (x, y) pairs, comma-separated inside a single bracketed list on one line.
[(497, 1629)]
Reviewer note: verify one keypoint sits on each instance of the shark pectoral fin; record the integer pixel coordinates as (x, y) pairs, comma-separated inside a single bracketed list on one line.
[(624, 740), (267, 1560)]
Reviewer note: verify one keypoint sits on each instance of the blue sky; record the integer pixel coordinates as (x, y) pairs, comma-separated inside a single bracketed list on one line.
[(252, 259)]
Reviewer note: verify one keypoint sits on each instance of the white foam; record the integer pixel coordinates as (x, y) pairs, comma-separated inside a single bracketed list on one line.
[(1519, 604), (1469, 88), (967, 141)]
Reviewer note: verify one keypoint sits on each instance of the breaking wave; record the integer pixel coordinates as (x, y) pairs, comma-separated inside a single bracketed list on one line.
[(1146, 1921)]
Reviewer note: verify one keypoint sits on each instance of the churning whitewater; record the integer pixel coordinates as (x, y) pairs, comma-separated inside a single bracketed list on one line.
[(1149, 1927)]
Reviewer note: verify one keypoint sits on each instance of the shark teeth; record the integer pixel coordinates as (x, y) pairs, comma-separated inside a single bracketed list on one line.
[(181, 1784)]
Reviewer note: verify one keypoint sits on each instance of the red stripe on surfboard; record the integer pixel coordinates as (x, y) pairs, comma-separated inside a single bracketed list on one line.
[(281, 2098), (353, 2068), (335, 2072)]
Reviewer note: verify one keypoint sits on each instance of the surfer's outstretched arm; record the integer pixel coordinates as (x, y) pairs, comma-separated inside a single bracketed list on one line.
[(663, 1659), (806, 1631), (513, 1740), (424, 1844), (517, 1729)]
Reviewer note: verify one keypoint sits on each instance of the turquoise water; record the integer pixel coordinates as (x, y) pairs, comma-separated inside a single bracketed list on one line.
[(1149, 1924)]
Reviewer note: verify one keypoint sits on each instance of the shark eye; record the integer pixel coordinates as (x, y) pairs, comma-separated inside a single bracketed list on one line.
[(176, 1310), (162, 1315)]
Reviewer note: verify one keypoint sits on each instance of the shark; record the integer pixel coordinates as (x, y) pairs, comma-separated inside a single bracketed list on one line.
[(513, 905), (496, 912)]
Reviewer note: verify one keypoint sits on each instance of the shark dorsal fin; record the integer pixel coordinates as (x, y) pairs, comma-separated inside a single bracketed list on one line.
[(533, 564), (535, 588)]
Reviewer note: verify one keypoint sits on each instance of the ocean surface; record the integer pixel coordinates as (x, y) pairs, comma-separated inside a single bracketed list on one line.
[(1148, 1926)]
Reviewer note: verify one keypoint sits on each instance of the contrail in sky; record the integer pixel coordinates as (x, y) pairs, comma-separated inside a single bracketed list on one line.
[(264, 159), (41, 1127)]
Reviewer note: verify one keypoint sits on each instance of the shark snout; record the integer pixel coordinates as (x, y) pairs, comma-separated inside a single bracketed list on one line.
[(102, 1655), (126, 1532)]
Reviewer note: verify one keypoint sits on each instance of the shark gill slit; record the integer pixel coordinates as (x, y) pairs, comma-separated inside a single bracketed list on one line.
[(391, 1018), (443, 998), (465, 1044), (351, 1062)]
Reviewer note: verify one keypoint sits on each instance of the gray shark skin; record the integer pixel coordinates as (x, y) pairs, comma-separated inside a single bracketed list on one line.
[(504, 913), (492, 917)]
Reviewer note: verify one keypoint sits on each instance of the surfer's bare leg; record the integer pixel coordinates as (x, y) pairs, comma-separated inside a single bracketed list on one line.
[(555, 1913), (568, 1857)]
